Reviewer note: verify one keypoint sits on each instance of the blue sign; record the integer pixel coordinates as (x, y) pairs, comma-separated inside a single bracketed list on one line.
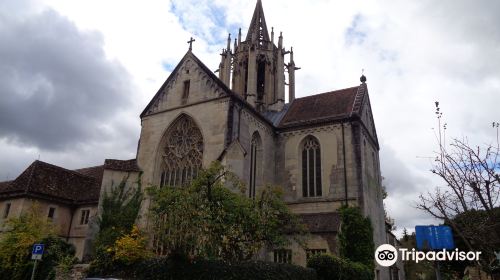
[(434, 238), (37, 249)]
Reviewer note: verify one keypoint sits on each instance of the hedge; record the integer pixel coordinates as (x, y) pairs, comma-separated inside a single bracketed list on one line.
[(329, 267), (164, 268)]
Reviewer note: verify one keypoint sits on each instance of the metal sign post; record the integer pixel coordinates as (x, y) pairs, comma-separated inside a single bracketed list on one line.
[(34, 268), (36, 254)]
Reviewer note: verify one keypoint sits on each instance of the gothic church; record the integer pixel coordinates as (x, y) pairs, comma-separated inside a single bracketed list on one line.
[(321, 149)]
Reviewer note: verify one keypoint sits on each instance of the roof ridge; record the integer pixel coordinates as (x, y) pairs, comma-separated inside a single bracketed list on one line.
[(327, 92), (66, 170), (30, 176), (358, 99), (119, 159), (95, 166)]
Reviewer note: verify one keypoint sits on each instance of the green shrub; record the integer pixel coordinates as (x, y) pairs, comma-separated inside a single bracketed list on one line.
[(179, 269), (329, 267), (120, 209), (17, 241), (356, 237), (208, 220)]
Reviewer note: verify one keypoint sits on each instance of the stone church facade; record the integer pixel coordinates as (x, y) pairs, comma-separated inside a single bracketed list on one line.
[(321, 149)]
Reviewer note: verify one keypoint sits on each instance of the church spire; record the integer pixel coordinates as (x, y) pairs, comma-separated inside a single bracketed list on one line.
[(258, 66), (258, 27)]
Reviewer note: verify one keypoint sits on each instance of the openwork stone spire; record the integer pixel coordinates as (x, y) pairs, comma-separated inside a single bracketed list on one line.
[(258, 28)]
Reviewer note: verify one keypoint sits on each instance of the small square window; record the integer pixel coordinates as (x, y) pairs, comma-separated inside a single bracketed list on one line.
[(282, 256), (6, 210), (312, 252), (84, 218), (52, 211)]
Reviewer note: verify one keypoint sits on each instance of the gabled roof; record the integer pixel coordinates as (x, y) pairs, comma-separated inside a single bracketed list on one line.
[(52, 182), (95, 172), (329, 106), (338, 105), (228, 92), (188, 55)]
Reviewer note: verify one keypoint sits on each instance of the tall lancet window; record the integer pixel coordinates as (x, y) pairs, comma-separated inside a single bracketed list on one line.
[(261, 78), (182, 153), (311, 167), (255, 163)]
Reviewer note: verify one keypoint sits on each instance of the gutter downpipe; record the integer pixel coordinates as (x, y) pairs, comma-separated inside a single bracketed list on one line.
[(345, 166)]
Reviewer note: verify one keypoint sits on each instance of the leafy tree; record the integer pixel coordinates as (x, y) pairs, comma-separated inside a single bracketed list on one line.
[(469, 200), (17, 241), (209, 219), (356, 237), (120, 209), (405, 234)]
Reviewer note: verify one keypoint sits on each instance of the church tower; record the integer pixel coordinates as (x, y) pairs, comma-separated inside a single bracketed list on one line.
[(257, 66)]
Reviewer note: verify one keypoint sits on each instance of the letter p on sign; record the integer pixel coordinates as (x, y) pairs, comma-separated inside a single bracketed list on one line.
[(37, 252)]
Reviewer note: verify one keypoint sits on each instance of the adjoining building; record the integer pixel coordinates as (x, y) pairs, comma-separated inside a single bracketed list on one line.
[(67, 197)]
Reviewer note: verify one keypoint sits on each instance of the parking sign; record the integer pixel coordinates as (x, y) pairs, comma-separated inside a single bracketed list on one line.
[(434, 238), (37, 252)]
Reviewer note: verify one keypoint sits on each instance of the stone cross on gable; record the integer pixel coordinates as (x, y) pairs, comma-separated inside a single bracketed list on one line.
[(190, 42)]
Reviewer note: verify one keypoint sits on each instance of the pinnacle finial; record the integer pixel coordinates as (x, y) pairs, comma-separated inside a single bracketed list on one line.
[(362, 78)]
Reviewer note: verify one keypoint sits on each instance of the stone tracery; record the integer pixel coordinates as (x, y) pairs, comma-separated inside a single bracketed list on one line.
[(182, 153)]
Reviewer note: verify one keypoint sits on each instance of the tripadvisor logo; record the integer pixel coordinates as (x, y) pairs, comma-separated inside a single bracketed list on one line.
[(387, 255)]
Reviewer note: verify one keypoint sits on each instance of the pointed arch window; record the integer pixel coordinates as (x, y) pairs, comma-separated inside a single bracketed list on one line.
[(255, 160), (311, 168), (182, 153)]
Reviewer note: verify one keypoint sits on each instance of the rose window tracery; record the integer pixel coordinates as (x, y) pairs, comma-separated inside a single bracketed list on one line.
[(182, 154)]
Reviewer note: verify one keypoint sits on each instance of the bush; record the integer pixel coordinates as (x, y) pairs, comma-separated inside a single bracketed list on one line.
[(179, 269), (57, 253), (131, 248), (206, 219), (17, 241), (356, 237), (120, 209), (330, 267)]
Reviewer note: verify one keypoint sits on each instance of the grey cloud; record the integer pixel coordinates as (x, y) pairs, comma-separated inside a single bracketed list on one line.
[(398, 177), (473, 26), (57, 87)]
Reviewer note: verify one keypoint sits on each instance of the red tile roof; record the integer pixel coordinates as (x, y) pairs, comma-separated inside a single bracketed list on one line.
[(122, 165), (322, 107), (49, 181)]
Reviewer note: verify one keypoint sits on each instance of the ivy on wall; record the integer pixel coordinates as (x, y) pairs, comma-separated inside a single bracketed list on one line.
[(356, 237)]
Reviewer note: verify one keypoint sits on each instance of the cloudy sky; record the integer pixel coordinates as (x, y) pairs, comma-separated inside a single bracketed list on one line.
[(75, 75)]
